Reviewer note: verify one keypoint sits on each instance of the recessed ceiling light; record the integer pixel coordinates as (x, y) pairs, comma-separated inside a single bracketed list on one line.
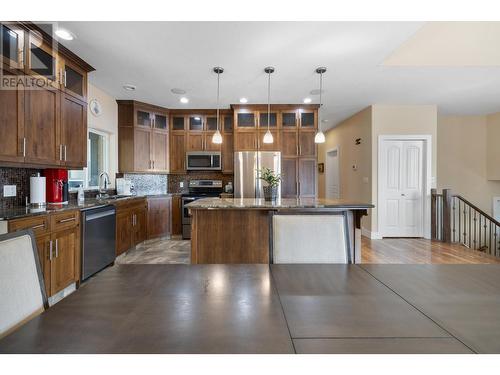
[(65, 34), (307, 100), (184, 100), (129, 87), (178, 91), (243, 100)]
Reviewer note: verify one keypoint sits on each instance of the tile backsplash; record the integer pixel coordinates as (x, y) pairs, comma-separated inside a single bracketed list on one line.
[(19, 177), (145, 184)]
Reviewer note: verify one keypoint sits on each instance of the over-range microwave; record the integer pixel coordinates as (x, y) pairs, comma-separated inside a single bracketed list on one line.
[(203, 161)]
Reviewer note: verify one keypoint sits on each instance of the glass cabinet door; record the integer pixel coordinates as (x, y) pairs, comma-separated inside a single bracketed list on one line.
[(273, 119), (42, 62), (246, 120), (195, 123), (211, 122), (289, 119), (12, 42), (307, 119), (143, 118), (228, 123), (178, 123), (73, 81), (160, 122)]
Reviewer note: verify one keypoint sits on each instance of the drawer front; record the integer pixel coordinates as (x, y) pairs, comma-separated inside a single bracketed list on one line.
[(64, 220), (39, 224)]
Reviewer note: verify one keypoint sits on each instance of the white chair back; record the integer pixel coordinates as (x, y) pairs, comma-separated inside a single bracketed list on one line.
[(309, 238), (22, 291)]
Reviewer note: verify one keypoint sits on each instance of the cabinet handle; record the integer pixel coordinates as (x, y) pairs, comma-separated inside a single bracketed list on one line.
[(50, 250), (65, 84), (61, 80), (61, 152), (24, 146), (38, 226), (57, 249), (65, 153), (153, 164), (300, 149), (66, 220)]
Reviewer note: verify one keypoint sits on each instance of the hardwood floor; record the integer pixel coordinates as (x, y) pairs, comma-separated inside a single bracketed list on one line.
[(419, 251), (386, 251)]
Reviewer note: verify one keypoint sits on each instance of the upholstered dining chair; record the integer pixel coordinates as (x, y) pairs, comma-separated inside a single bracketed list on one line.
[(22, 291), (308, 237)]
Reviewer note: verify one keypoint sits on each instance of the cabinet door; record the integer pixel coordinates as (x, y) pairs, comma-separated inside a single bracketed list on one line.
[(176, 215), (209, 145), (289, 119), (12, 124), (289, 177), (158, 217), (178, 123), (74, 80), (73, 131), (227, 153), (289, 145), (228, 123), (308, 119), (307, 147), (195, 123), (160, 151), (246, 120), (142, 150), (275, 146), (123, 231), (273, 119), (307, 177), (42, 61), (211, 122), (41, 127), (12, 46), (177, 153), (160, 122), (143, 118), (63, 270), (195, 142), (245, 141), (140, 225), (44, 256)]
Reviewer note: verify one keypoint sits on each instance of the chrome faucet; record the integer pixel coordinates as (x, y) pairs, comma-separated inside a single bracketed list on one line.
[(103, 185)]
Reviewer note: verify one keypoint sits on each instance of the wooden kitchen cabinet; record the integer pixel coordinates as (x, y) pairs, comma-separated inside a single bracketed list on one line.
[(12, 53), (131, 224), (73, 79), (12, 124), (57, 236), (289, 182), (195, 141), (159, 212), (275, 146), (123, 231), (246, 140), (307, 147), (307, 177), (142, 137), (289, 143), (176, 215), (140, 223), (177, 152), (41, 127), (73, 130), (227, 153)]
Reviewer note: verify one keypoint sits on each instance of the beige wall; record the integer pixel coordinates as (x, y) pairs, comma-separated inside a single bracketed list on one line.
[(493, 146), (401, 120), (106, 122), (354, 184), (463, 158)]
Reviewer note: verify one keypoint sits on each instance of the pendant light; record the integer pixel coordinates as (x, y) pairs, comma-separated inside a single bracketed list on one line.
[(320, 136), (268, 137), (217, 137)]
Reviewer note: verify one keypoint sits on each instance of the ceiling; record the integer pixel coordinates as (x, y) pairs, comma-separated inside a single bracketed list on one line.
[(361, 57)]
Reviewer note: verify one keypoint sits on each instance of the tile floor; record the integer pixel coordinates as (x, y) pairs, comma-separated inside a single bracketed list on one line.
[(158, 251)]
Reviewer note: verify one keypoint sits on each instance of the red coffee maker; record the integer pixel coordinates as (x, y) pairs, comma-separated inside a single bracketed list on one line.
[(55, 179)]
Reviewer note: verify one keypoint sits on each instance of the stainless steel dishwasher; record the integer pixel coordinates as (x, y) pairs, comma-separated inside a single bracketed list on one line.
[(98, 239)]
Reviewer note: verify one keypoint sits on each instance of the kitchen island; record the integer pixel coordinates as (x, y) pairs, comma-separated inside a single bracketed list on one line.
[(238, 230)]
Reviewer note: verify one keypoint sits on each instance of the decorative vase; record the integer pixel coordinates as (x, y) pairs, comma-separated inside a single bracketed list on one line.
[(270, 193)]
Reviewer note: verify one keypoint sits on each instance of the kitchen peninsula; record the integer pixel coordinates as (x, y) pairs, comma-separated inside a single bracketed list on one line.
[(237, 230)]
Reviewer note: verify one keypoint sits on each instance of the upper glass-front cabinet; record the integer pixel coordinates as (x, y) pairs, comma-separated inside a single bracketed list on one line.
[(160, 122), (273, 119), (307, 119), (196, 123), (228, 123), (74, 81), (211, 122), (143, 118), (178, 123), (12, 46), (245, 120), (288, 119)]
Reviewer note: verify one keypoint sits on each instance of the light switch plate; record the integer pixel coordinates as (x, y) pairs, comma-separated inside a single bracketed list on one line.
[(181, 184), (9, 191)]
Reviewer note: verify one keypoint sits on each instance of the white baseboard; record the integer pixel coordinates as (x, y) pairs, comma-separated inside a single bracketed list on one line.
[(370, 234)]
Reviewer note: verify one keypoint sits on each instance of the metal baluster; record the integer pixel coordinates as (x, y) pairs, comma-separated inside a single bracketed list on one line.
[(470, 223), (489, 239), (485, 244), (459, 223), (479, 232), (475, 222), (453, 221)]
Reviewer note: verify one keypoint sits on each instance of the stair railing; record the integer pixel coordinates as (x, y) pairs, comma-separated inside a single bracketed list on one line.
[(456, 220)]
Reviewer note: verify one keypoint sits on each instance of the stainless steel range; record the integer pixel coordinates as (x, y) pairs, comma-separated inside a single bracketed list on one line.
[(198, 189)]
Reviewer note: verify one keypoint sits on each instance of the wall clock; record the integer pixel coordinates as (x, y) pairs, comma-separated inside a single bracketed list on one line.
[(95, 107)]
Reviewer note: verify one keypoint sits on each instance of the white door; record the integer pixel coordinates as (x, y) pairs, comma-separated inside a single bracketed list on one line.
[(332, 179), (401, 196)]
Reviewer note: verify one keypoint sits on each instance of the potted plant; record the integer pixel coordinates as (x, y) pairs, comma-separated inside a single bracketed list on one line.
[(273, 181)]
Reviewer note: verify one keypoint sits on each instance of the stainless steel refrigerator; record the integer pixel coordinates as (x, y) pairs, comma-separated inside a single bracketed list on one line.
[(246, 167)]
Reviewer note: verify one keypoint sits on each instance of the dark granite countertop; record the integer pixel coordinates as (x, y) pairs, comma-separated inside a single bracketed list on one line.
[(23, 211), (285, 203)]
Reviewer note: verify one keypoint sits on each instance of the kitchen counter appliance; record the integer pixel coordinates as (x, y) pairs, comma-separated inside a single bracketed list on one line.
[(203, 161), (198, 189), (98, 239)]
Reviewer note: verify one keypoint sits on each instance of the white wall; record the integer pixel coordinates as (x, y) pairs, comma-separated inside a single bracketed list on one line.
[(106, 122)]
